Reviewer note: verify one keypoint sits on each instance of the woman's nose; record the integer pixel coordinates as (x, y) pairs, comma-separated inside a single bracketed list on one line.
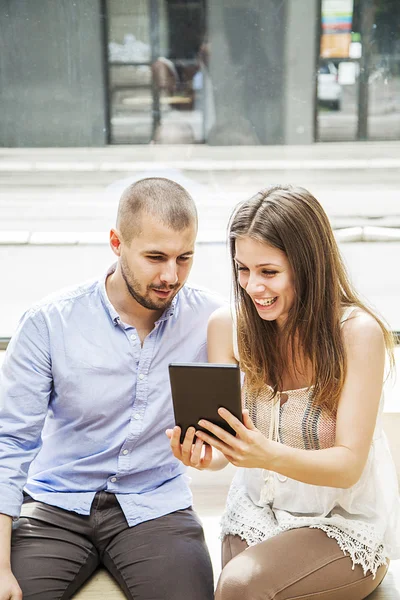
[(254, 284)]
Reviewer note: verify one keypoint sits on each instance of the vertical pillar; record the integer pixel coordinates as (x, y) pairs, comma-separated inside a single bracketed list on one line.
[(367, 12), (300, 68), (245, 78)]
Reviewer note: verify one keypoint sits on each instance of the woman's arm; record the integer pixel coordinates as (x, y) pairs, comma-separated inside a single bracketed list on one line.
[(342, 465), (220, 350)]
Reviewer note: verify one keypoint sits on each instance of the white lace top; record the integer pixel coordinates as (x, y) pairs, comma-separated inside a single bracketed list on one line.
[(363, 519)]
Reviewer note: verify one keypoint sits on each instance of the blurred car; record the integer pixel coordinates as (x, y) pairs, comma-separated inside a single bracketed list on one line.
[(329, 88)]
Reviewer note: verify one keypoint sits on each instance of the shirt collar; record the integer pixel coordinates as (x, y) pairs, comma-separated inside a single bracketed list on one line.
[(169, 312), (114, 316)]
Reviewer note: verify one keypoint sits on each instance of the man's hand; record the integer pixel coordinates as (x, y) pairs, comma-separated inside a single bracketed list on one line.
[(249, 448), (196, 454), (9, 588)]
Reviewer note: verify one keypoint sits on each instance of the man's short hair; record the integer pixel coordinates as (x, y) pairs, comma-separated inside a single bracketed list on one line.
[(158, 197)]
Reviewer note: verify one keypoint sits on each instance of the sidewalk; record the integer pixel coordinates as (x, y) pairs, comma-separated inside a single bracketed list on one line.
[(348, 155), (76, 190)]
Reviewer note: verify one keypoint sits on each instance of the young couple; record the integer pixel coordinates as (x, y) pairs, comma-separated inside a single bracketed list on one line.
[(87, 475)]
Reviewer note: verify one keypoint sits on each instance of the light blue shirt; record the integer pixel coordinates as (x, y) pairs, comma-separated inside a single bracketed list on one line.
[(84, 407)]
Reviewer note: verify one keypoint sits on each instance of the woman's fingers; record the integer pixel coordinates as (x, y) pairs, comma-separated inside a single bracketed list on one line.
[(215, 442), (232, 420), (216, 430)]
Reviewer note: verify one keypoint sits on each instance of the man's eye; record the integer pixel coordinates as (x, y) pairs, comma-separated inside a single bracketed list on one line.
[(155, 257), (184, 258)]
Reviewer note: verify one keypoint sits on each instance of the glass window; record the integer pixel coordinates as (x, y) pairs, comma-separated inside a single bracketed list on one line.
[(358, 79), (154, 71)]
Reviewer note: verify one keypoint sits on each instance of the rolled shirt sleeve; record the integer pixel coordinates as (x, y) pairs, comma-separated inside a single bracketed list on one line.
[(25, 389)]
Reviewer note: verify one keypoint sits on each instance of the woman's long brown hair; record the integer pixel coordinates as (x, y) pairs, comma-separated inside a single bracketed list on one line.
[(292, 220)]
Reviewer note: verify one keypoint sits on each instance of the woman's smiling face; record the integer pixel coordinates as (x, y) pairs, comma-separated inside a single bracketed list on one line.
[(265, 274)]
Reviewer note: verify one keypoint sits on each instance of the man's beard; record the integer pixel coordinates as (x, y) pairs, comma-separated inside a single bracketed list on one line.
[(133, 288)]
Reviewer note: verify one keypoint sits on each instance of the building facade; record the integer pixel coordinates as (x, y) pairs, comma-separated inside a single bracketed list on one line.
[(220, 72)]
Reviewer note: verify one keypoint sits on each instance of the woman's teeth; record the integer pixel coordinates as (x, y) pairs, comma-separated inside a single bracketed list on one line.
[(266, 301)]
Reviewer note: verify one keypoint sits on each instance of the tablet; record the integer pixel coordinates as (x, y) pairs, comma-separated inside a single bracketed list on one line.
[(200, 389)]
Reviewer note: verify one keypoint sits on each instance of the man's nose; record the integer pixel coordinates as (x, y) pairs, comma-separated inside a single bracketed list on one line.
[(170, 274)]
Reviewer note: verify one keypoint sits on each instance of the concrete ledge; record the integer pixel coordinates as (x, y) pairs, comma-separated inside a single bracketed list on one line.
[(206, 236), (101, 585), (358, 153), (201, 165)]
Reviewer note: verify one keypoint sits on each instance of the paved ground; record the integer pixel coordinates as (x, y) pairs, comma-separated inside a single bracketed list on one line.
[(384, 112)]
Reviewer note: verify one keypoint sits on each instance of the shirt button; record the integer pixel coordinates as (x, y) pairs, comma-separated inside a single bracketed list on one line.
[(113, 479), (141, 376), (124, 451), (133, 337), (137, 417)]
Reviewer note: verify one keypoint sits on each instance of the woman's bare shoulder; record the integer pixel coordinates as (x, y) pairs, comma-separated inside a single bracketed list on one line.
[(220, 336), (222, 318), (362, 327)]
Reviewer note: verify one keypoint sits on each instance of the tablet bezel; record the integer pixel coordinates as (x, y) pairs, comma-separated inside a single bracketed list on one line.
[(198, 381)]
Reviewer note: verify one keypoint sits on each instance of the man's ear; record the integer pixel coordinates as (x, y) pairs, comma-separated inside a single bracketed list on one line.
[(115, 242)]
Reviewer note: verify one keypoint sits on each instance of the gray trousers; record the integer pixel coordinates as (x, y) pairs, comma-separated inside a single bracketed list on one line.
[(55, 551)]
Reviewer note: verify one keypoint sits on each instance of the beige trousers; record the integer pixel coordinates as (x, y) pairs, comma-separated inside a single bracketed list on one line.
[(300, 563)]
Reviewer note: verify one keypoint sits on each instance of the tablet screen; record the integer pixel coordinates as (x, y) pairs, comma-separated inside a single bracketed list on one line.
[(200, 389)]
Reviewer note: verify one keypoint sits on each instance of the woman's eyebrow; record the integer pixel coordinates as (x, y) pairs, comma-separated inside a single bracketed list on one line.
[(260, 265)]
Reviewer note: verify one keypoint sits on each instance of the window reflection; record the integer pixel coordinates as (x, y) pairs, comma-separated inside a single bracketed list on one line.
[(359, 71), (164, 86), (155, 78)]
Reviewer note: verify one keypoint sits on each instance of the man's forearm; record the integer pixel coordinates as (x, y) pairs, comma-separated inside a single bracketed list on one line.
[(5, 540)]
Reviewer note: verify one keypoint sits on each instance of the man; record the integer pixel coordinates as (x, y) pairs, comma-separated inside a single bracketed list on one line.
[(85, 402)]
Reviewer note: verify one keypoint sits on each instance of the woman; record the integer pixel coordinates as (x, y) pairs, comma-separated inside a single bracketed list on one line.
[(313, 509)]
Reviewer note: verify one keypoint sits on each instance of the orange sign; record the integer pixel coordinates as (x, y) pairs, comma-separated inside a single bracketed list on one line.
[(335, 45)]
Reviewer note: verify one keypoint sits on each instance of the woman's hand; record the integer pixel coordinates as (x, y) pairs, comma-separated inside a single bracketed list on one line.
[(197, 454), (250, 448)]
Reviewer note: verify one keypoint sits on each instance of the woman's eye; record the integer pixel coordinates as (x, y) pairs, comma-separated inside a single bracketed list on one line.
[(269, 273), (242, 269)]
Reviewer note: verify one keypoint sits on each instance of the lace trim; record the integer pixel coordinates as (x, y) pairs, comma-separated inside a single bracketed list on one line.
[(358, 552), (255, 524), (251, 523)]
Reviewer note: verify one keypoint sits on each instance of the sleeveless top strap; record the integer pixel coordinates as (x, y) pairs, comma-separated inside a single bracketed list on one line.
[(347, 313)]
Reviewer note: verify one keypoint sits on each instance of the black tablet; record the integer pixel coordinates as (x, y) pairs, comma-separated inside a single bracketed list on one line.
[(200, 389)]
